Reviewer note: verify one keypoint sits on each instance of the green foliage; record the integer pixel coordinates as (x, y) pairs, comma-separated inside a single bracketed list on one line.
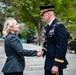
[(26, 32), (28, 12), (70, 27)]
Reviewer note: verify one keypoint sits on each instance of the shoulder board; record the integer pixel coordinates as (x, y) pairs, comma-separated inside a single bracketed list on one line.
[(59, 23)]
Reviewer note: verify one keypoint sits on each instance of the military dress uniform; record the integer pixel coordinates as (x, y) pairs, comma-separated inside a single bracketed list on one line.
[(55, 47)]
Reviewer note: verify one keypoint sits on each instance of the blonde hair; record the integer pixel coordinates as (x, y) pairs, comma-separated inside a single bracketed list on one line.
[(7, 26)]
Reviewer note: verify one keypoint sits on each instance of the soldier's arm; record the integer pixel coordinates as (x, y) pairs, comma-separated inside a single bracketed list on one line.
[(61, 45)]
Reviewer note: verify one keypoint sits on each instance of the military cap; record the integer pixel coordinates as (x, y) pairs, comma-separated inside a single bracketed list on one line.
[(46, 8)]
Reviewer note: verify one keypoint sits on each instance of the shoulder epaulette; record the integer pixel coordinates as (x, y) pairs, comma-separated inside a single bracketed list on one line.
[(59, 23)]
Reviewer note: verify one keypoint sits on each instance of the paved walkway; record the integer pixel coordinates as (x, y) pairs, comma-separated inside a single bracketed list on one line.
[(35, 65)]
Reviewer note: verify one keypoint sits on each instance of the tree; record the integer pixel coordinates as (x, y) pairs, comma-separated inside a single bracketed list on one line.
[(28, 12)]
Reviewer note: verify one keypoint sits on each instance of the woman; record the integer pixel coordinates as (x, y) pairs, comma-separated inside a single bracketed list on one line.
[(14, 50)]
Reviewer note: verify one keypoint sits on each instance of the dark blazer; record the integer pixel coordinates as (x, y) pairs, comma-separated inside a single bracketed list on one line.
[(55, 45), (15, 54)]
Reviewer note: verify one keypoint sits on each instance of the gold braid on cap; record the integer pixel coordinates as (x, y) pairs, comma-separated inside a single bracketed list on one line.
[(42, 11)]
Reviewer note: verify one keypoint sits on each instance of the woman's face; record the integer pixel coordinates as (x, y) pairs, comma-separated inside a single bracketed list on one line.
[(15, 27)]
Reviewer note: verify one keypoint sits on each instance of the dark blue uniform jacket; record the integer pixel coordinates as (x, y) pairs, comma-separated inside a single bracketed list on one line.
[(55, 45)]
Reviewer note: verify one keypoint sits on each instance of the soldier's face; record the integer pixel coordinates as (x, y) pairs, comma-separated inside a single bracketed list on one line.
[(44, 17)]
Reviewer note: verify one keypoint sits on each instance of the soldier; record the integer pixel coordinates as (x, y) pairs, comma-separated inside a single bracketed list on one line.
[(55, 45)]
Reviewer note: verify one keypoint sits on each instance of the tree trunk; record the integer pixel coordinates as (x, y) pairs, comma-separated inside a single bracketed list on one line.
[(40, 34)]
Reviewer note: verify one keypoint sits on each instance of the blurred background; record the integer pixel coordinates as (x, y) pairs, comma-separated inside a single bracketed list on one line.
[(27, 13)]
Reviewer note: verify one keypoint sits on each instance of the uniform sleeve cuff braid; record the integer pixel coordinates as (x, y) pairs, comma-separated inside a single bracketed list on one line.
[(59, 60)]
